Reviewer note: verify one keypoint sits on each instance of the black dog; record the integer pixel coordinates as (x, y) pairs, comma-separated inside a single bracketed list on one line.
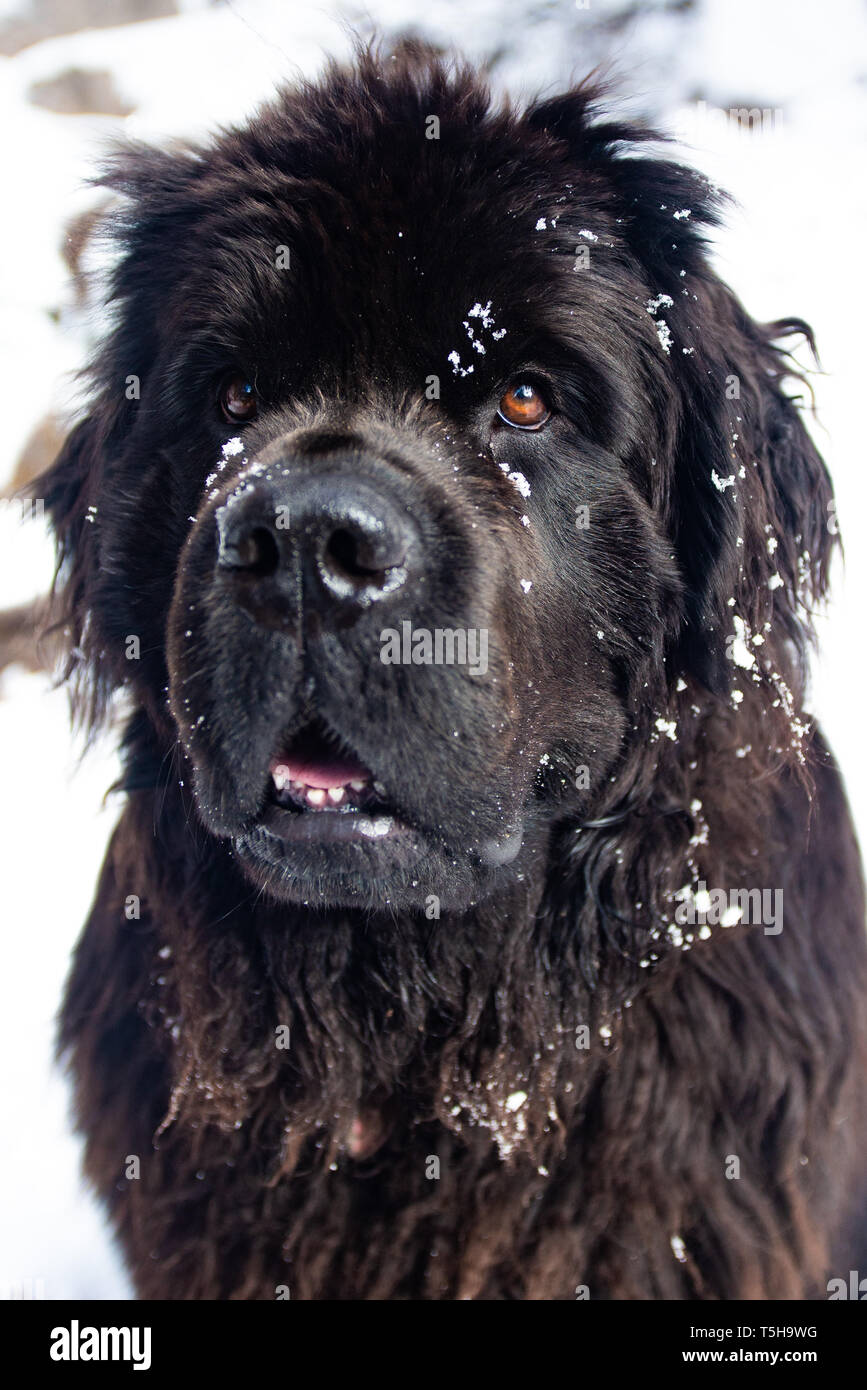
[(484, 919)]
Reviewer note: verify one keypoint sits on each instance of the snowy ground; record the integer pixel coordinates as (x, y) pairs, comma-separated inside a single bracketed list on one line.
[(790, 249)]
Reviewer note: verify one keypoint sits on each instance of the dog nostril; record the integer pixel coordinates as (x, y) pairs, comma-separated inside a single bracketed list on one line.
[(358, 560), (256, 552), (350, 556)]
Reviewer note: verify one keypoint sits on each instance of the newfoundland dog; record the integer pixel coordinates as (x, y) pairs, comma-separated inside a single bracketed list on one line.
[(484, 919)]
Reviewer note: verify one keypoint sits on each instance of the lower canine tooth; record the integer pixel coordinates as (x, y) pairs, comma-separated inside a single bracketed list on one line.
[(316, 796), (336, 794)]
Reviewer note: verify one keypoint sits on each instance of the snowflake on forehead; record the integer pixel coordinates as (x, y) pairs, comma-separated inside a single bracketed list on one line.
[(486, 321), (455, 358), (483, 312)]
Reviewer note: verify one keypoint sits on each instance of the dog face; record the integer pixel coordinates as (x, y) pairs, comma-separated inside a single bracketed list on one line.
[(413, 471), (405, 468)]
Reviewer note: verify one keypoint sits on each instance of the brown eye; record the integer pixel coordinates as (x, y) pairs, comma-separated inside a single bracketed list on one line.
[(524, 407), (237, 397)]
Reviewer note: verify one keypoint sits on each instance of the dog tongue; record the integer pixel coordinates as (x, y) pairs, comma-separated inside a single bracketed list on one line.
[(322, 772)]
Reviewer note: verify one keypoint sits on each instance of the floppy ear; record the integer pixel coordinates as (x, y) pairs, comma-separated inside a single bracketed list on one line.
[(750, 500), (70, 490), (749, 468), (747, 499), (150, 214)]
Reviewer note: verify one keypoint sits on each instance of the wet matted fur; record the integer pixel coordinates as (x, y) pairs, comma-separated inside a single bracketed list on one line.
[(511, 1072)]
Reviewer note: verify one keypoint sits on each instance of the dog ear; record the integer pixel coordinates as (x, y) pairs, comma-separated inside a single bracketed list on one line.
[(69, 492), (753, 487), (152, 210), (750, 504), (746, 497)]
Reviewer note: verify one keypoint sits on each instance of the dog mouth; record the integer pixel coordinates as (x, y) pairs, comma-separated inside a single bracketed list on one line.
[(318, 788), (327, 828)]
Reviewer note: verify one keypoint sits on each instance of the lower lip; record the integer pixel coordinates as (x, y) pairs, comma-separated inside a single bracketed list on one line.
[(331, 827)]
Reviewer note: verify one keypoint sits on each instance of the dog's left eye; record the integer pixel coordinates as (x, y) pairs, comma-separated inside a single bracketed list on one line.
[(524, 407), (238, 397)]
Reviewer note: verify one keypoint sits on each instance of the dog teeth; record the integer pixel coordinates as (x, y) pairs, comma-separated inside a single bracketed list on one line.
[(317, 797)]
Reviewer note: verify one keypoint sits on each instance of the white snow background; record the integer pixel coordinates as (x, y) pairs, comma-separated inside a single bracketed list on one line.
[(795, 245)]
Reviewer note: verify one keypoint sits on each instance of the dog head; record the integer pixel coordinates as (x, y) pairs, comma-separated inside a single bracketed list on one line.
[(429, 469)]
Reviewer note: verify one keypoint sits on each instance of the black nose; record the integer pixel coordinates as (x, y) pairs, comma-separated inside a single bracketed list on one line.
[(344, 538)]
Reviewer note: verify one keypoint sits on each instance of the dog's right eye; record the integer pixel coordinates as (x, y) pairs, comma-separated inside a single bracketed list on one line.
[(524, 407), (238, 397)]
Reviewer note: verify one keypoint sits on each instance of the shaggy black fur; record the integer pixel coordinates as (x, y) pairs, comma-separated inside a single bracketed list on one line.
[(639, 729)]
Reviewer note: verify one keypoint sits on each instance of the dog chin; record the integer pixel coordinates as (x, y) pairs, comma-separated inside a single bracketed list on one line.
[(376, 864), (374, 861)]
